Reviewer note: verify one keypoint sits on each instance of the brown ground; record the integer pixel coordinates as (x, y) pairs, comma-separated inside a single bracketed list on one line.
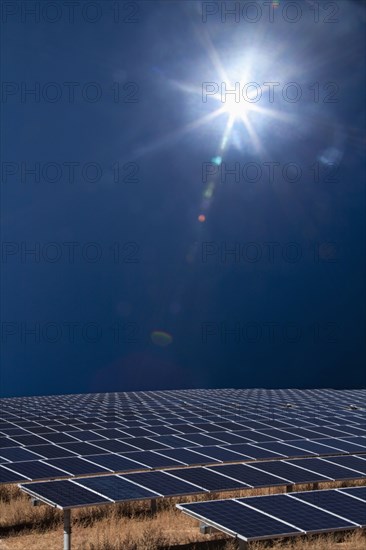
[(132, 527)]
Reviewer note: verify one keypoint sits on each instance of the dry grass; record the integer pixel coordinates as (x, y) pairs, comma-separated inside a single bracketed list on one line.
[(131, 526)]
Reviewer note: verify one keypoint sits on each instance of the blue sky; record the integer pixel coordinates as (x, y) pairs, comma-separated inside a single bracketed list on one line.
[(125, 289)]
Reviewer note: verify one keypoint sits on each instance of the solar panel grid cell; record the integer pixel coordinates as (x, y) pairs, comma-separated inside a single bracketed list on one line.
[(233, 518), (300, 514), (337, 503)]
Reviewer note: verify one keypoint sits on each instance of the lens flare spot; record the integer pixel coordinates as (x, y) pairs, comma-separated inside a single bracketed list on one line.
[(217, 160), (201, 218), (161, 338)]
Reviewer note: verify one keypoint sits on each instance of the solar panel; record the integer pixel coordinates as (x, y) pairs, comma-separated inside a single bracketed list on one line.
[(299, 514), (358, 492), (115, 446), (222, 454), (327, 468), (286, 471), (173, 441), (249, 476), (190, 440), (29, 440), (66, 494), (82, 448), (337, 503), (6, 442), (211, 480), (349, 461), (60, 437), (17, 454), (153, 459), (233, 518), (254, 451), (84, 435), (76, 466), (188, 457), (116, 488), (7, 476), (315, 447), (342, 444), (34, 469), (164, 483), (283, 449), (116, 463), (230, 438), (50, 451), (208, 423)]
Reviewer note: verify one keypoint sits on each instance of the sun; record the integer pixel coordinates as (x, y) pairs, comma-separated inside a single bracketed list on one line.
[(235, 109)]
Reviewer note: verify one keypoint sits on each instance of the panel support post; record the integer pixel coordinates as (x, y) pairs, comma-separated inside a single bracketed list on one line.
[(205, 529), (315, 486), (153, 506), (289, 488), (67, 529), (243, 545)]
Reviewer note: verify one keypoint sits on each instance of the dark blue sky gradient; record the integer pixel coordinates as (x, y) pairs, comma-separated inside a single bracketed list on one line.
[(301, 323)]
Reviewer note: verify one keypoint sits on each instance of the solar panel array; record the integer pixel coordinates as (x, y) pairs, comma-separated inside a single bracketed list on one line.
[(72, 435), (186, 481), (293, 514)]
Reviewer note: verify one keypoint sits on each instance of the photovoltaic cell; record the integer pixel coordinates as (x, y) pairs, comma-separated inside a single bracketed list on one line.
[(76, 466), (286, 471), (116, 488), (50, 451), (34, 469), (173, 441), (219, 453), (153, 460), (342, 444), (29, 439), (66, 494), (163, 483), (82, 448), (297, 513), (326, 468), (6, 442), (7, 476), (115, 446), (253, 451), (337, 503), (283, 449), (116, 463), (17, 454), (314, 447), (359, 492), (185, 456), (207, 479), (249, 476), (237, 519), (349, 461)]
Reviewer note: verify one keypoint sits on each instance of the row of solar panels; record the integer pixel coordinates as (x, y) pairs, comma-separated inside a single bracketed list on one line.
[(169, 417), (172, 397), (86, 491), (58, 463), (188, 401), (205, 404), (294, 514), (252, 431), (66, 444)]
